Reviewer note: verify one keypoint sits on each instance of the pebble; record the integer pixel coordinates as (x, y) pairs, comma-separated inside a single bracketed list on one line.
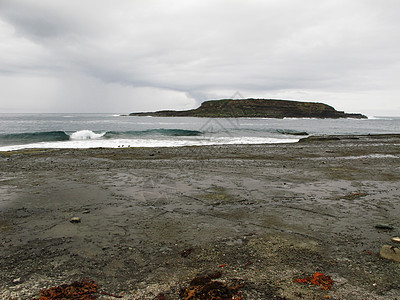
[(75, 220), (390, 252), (384, 226), (396, 239)]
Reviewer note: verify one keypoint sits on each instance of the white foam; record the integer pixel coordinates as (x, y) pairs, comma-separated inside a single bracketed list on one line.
[(116, 143), (381, 118), (85, 135)]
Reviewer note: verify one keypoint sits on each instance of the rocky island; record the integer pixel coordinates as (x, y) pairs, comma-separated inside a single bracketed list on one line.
[(257, 108)]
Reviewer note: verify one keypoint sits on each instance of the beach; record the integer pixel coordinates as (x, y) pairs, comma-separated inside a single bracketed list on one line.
[(152, 219)]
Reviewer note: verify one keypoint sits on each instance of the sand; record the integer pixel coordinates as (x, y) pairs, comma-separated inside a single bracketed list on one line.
[(264, 214)]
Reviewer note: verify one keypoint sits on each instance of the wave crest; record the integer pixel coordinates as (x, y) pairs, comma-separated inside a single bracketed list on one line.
[(86, 135), (32, 137)]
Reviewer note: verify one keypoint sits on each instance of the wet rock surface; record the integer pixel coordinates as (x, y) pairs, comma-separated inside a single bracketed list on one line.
[(261, 214)]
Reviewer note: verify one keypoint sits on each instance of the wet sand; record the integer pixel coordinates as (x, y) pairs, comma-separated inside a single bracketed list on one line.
[(265, 214)]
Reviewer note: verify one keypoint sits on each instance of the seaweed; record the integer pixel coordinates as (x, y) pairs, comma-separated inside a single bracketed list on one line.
[(78, 290), (320, 279), (205, 287)]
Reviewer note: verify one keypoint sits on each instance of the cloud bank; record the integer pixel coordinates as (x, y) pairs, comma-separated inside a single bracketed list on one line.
[(123, 56)]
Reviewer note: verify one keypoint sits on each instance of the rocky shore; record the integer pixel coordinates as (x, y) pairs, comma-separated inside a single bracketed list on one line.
[(149, 220)]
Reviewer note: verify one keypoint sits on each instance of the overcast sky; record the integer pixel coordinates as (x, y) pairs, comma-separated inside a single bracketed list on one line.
[(132, 55)]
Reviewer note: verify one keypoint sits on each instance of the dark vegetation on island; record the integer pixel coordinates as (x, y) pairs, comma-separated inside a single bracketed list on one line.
[(257, 108)]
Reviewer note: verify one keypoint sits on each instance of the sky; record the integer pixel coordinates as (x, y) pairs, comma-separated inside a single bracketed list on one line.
[(126, 56)]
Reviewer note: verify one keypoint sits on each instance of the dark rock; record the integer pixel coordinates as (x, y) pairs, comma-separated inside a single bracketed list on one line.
[(320, 139), (384, 226), (185, 253), (298, 133)]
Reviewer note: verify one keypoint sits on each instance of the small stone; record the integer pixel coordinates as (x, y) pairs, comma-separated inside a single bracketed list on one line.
[(384, 226), (17, 280), (390, 252), (86, 211), (396, 239), (75, 220)]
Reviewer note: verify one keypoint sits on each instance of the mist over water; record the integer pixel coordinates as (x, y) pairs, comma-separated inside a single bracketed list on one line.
[(18, 131)]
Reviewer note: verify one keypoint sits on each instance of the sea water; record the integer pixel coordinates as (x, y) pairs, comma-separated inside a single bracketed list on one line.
[(20, 131)]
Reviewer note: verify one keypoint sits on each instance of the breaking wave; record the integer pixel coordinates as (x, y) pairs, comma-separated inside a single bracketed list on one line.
[(58, 136), (86, 135)]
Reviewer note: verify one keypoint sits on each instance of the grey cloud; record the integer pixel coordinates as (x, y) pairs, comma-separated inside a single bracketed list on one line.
[(35, 21), (205, 48)]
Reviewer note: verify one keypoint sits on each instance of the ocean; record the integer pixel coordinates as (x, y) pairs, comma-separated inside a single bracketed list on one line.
[(22, 131)]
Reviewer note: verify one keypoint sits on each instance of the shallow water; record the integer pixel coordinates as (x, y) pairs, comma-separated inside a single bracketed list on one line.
[(19, 131)]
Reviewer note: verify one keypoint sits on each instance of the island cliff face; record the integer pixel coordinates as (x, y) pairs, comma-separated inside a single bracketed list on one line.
[(256, 108)]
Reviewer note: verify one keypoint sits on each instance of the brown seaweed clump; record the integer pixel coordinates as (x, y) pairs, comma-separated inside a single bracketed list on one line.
[(206, 288), (81, 290), (78, 290)]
